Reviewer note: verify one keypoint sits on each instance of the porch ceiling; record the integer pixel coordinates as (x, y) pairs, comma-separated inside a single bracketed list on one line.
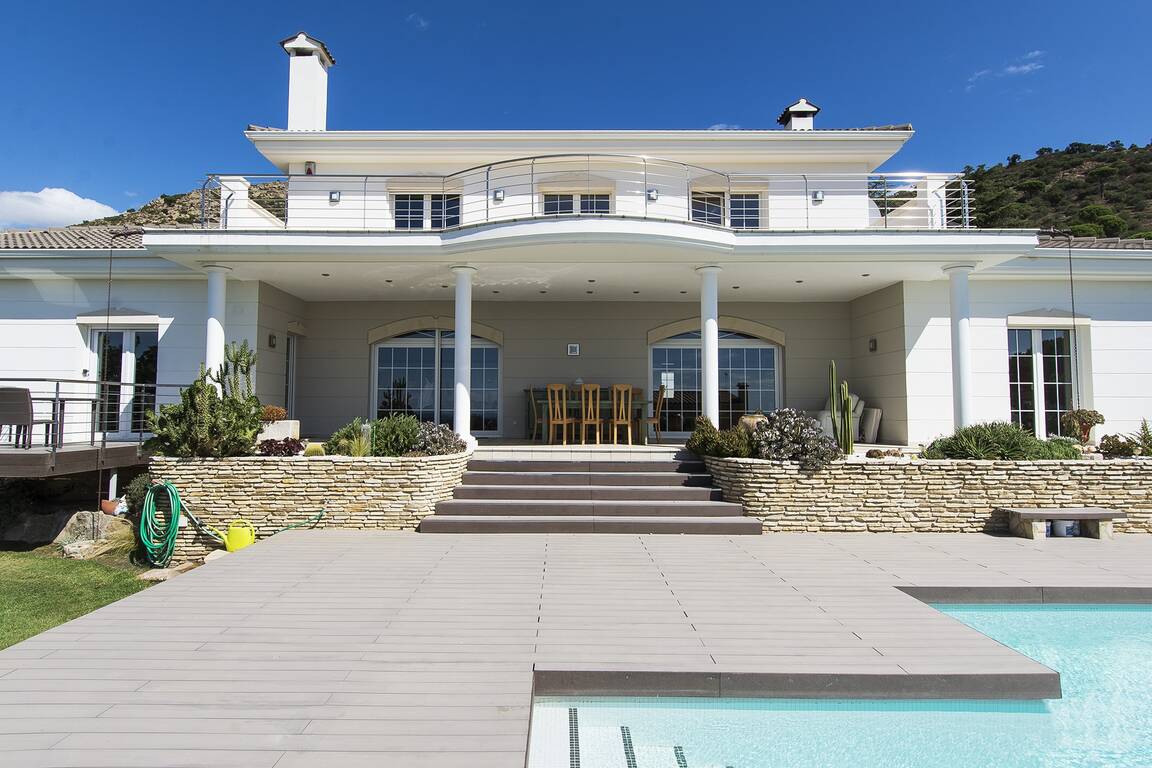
[(646, 281)]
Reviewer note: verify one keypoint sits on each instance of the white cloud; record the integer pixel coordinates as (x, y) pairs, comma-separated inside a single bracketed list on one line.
[(50, 207), (1021, 69), (418, 21), (1033, 54), (723, 127)]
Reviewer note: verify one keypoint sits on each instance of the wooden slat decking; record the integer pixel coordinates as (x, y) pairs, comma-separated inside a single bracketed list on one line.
[(39, 461)]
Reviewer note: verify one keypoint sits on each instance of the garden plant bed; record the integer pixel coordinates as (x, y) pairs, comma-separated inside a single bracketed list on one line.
[(383, 493), (898, 495)]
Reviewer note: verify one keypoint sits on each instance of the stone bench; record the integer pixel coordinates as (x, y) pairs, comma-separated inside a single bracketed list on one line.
[(1030, 522)]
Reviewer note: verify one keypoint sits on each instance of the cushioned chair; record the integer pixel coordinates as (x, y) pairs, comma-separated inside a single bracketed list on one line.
[(16, 412), (825, 416)]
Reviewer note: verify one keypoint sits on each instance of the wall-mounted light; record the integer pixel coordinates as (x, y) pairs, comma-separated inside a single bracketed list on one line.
[(497, 195), (573, 350), (309, 168), (271, 341), (818, 196), (334, 196), (653, 194), (871, 345)]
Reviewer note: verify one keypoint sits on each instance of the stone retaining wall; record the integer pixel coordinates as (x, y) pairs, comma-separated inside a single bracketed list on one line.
[(273, 492), (933, 496)]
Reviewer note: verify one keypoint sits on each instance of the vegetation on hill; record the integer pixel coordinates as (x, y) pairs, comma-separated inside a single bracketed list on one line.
[(1090, 190), (183, 210)]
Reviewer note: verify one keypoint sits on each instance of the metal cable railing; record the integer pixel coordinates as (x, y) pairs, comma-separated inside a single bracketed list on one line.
[(600, 186)]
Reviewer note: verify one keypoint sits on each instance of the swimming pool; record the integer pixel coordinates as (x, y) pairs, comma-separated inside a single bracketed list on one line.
[(1103, 652)]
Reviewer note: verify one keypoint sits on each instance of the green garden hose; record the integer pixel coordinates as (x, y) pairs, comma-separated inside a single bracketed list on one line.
[(159, 542)]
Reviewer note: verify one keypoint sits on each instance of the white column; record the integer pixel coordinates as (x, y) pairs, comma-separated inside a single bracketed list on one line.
[(462, 406), (217, 298), (710, 342), (961, 343)]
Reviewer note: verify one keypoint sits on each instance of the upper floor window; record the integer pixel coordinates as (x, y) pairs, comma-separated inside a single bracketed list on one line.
[(589, 203), (708, 207), (745, 212), (420, 211)]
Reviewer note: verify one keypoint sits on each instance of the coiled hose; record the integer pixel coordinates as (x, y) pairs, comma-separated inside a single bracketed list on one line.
[(159, 540)]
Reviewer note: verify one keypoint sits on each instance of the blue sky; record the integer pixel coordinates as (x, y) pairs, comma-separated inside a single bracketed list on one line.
[(119, 102)]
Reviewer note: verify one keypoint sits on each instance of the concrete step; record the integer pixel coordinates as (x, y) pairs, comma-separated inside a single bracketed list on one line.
[(567, 507), (483, 465), (584, 492), (590, 524), (487, 477)]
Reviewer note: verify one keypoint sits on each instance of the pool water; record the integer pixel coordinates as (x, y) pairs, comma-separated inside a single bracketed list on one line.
[(1104, 655)]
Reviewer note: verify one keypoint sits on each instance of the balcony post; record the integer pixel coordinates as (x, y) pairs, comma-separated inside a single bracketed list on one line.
[(960, 313), (462, 366), (217, 299), (710, 342)]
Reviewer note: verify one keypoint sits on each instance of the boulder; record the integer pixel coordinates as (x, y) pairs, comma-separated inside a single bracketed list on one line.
[(78, 550), (89, 525)]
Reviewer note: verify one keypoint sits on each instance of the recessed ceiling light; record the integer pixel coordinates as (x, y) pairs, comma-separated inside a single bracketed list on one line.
[(799, 281), (445, 285), (325, 274), (866, 274), (387, 281), (591, 281), (589, 291), (735, 287), (495, 291), (543, 291), (683, 291), (635, 291)]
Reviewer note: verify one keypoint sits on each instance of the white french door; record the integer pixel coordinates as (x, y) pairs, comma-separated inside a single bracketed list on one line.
[(1041, 384), (126, 363)]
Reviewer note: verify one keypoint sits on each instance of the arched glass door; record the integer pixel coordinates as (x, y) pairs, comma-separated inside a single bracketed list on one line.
[(414, 373), (749, 378)]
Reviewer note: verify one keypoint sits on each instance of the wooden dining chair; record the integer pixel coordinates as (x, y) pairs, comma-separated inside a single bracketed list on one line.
[(558, 412), (654, 419), (538, 416), (621, 415), (590, 412)]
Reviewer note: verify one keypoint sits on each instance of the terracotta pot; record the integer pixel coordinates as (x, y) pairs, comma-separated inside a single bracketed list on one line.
[(108, 506), (749, 421)]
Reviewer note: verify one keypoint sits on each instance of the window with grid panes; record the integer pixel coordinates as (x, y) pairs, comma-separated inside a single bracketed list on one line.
[(708, 207), (745, 210)]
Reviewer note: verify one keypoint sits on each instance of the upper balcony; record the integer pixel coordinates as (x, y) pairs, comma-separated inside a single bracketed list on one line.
[(626, 187)]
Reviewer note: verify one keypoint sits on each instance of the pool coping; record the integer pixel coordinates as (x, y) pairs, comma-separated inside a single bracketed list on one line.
[(1031, 595)]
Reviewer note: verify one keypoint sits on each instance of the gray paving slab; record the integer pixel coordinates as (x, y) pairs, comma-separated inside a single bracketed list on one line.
[(341, 648)]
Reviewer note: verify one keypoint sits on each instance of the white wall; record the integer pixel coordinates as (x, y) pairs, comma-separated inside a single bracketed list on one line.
[(1120, 339), (880, 377)]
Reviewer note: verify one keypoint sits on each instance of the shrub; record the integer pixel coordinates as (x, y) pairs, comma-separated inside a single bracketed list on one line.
[(289, 446), (703, 437), (314, 449), (732, 443), (359, 445), (1079, 422), (273, 413), (339, 443), (1118, 446), (207, 423), (789, 435), (999, 440), (394, 435), (437, 440), (135, 492)]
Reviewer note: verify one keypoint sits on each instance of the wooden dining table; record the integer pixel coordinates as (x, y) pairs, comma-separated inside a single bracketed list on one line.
[(639, 408)]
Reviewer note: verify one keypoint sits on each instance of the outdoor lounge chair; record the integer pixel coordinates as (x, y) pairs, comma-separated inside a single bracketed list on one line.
[(16, 412), (825, 416)]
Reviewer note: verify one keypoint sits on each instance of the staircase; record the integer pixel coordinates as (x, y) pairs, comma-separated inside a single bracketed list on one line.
[(671, 495)]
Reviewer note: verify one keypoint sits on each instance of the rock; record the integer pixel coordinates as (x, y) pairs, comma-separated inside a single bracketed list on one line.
[(215, 554), (185, 567), (78, 550), (86, 525), (163, 574)]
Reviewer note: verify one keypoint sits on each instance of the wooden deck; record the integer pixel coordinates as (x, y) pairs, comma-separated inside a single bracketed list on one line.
[(39, 461)]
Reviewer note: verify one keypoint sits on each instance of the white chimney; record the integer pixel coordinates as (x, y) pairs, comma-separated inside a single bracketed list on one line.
[(308, 64), (798, 116)]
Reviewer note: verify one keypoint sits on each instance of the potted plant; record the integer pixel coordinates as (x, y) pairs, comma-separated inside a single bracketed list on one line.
[(1080, 421), (277, 425)]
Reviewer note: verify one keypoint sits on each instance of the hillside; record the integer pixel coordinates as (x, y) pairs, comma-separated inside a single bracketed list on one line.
[(1091, 190)]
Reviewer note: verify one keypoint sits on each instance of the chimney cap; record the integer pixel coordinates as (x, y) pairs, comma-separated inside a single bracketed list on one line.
[(802, 108), (302, 41)]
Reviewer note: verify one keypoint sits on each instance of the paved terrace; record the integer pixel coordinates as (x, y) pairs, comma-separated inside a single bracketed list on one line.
[(340, 648)]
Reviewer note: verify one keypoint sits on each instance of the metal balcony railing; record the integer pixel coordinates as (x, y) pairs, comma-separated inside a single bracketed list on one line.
[(587, 186), (77, 412)]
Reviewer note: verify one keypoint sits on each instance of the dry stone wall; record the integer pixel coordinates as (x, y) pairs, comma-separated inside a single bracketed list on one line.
[(895, 495), (273, 492)]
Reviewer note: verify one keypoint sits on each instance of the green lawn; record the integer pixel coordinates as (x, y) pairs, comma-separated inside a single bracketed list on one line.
[(38, 591)]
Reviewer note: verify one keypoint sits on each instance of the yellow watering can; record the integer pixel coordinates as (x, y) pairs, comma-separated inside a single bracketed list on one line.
[(240, 534)]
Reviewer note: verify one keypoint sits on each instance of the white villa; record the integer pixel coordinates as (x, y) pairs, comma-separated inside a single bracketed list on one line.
[(447, 273)]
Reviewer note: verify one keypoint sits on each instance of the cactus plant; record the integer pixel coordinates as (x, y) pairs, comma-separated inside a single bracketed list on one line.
[(840, 404)]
